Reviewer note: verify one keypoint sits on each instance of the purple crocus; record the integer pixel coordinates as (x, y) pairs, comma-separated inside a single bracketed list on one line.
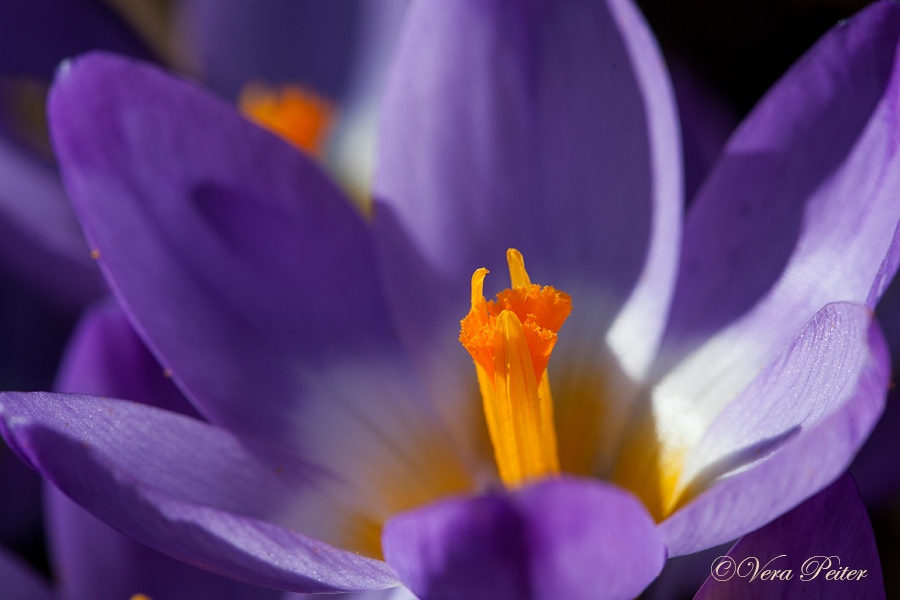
[(694, 399)]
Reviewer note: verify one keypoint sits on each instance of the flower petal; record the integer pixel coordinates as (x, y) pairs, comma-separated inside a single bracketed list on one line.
[(187, 489), (828, 532), (242, 266), (312, 43), (707, 119), (105, 357), (545, 126), (799, 211), (794, 429), (92, 560), (352, 145), (20, 500), (561, 538), (41, 241), (873, 468), (19, 582)]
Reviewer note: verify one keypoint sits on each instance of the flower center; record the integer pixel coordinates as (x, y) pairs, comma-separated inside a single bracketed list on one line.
[(297, 115), (511, 339)]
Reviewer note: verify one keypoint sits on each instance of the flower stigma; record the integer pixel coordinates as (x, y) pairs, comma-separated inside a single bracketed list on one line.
[(298, 115), (510, 340)]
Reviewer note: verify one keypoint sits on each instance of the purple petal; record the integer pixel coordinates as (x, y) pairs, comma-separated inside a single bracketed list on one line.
[(40, 239), (352, 145), (707, 119), (564, 538), (829, 533), (683, 575), (874, 468), (36, 35), (187, 489), (19, 581), (545, 126), (242, 266), (800, 211), (780, 196), (793, 430), (93, 561), (277, 41), (20, 499), (105, 357)]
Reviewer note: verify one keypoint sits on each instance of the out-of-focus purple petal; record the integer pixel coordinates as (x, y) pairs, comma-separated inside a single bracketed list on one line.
[(800, 210), (185, 488), (562, 538), (707, 119), (36, 35), (351, 148), (794, 429), (92, 561), (244, 268), (830, 532), (40, 239), (545, 126), (105, 357), (20, 500), (683, 575), (277, 41), (875, 467), (19, 582)]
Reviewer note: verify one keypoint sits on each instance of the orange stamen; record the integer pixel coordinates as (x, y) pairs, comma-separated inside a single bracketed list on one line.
[(297, 115), (511, 339)]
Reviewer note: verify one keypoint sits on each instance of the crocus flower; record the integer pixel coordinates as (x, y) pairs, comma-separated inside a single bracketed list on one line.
[(823, 548), (693, 399)]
